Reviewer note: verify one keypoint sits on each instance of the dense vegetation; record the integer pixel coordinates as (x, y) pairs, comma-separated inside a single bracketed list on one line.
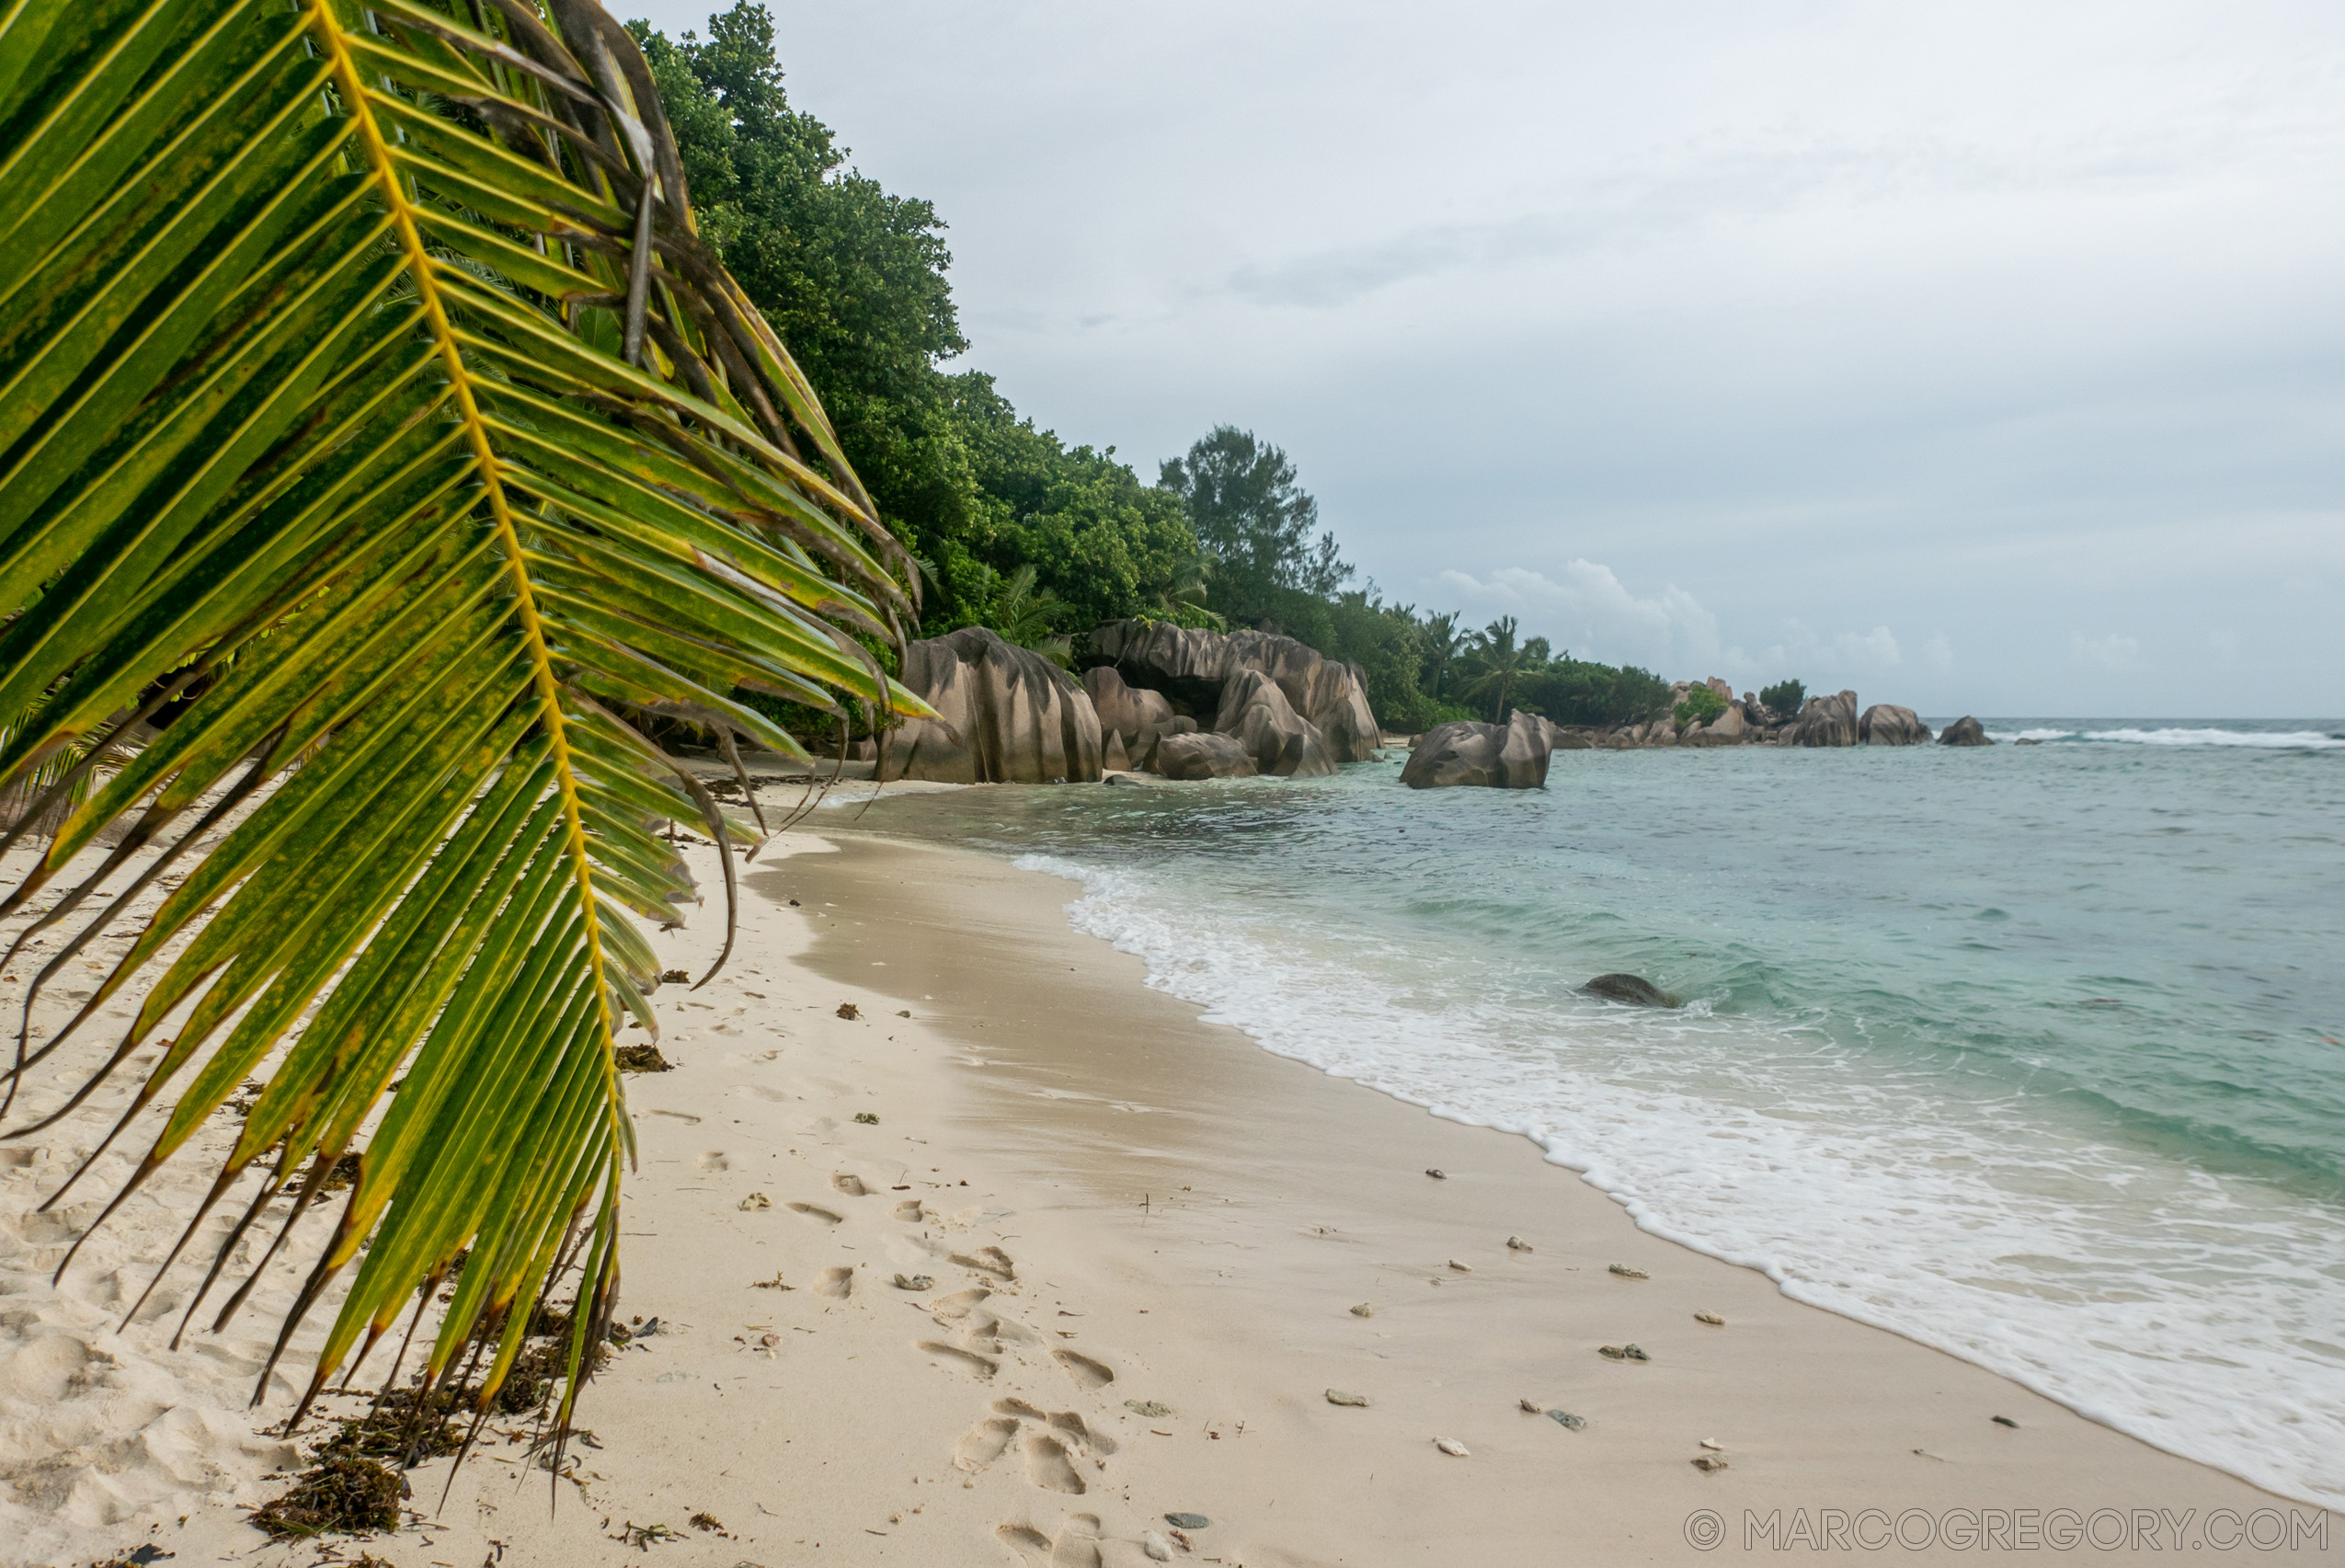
[(1014, 529)]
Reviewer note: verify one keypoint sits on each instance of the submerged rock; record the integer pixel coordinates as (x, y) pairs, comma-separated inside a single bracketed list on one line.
[(1965, 731), (1634, 990), (1203, 756), (1006, 714), (1884, 724)]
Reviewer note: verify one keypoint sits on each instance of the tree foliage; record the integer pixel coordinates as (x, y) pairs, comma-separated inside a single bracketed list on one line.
[(1260, 525), (1784, 697)]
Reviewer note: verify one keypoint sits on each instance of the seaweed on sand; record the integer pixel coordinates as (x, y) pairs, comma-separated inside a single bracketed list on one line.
[(343, 1495)]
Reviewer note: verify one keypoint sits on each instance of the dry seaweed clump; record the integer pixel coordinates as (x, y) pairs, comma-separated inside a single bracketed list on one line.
[(406, 1425), (338, 1496), (641, 1058)]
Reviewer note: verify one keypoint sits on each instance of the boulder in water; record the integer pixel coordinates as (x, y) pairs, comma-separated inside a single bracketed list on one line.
[(1884, 724), (1203, 756), (1007, 716), (1634, 990), (1965, 731), (1509, 756), (1826, 721)]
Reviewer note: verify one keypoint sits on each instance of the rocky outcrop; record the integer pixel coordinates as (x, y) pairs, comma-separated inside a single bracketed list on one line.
[(1199, 755), (1255, 713), (1509, 756), (1965, 731), (1135, 715), (1191, 669), (1634, 990), (1826, 721), (1884, 724), (1006, 715), (1729, 728)]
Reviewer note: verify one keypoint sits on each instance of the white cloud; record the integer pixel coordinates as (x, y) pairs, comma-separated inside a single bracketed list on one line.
[(2118, 655)]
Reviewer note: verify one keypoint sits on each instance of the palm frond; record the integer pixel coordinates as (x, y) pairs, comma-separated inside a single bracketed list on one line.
[(369, 399)]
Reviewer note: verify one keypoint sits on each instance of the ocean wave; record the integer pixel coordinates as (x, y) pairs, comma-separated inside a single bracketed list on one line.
[(2286, 739), (2169, 1302)]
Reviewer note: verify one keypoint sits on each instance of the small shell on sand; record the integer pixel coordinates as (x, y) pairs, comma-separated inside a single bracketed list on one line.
[(755, 1201), (1365, 1309), (1713, 1318), (1462, 1268), (1517, 1245), (1713, 1443), (1529, 1406), (1337, 1396), (1625, 1271), (1622, 1353), (1437, 1174), (1453, 1448), (1155, 1548), (914, 1282), (1708, 1462)]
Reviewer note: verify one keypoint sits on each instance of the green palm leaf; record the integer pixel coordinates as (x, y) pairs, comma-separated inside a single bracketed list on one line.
[(370, 406)]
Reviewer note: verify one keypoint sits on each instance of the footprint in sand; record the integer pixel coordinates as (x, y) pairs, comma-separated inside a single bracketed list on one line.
[(1078, 1543), (988, 1260), (908, 1211), (1067, 1423), (1070, 1424), (983, 1443), (811, 1212), (836, 1283), (967, 1360), (851, 1185), (1091, 1374), (960, 1304), (1031, 1545), (1048, 1466)]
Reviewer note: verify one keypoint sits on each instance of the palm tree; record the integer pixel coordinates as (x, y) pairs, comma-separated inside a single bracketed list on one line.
[(1444, 639), (369, 396), (1023, 614), (1188, 583), (1497, 661)]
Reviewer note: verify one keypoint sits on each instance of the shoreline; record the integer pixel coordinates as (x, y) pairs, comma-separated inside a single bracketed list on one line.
[(1112, 1201)]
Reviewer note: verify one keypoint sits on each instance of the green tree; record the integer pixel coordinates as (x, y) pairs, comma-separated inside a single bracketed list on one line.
[(1243, 502), (1498, 663), (1023, 614), (409, 482), (1444, 641), (1699, 705), (1784, 697)]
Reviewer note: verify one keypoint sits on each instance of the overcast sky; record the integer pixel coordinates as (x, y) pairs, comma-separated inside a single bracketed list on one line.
[(1980, 357)]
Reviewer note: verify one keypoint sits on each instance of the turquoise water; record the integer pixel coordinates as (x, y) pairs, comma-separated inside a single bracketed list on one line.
[(2030, 1053)]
